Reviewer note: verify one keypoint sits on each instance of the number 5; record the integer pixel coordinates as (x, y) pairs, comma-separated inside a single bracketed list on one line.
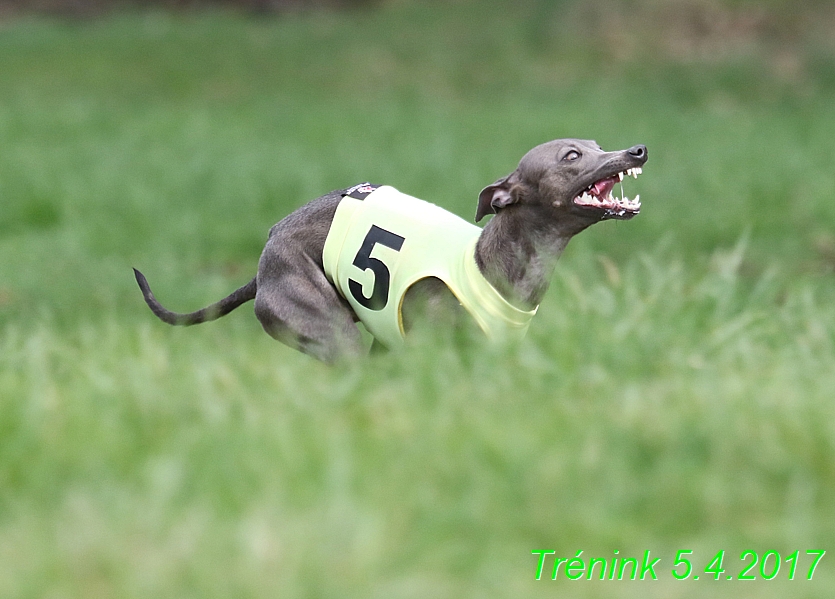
[(681, 560), (363, 260)]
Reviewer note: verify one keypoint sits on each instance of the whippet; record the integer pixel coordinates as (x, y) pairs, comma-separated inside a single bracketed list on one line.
[(371, 254)]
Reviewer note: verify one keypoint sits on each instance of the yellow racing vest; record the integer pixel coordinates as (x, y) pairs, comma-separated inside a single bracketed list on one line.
[(382, 241)]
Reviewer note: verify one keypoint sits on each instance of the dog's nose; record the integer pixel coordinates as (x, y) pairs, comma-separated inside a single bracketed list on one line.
[(639, 152)]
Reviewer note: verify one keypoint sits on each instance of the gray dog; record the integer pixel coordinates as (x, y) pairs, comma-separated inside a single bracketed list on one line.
[(372, 254)]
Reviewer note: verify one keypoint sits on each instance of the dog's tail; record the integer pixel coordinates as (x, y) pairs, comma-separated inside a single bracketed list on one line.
[(213, 312)]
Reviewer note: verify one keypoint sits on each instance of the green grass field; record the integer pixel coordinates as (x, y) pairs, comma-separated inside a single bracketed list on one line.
[(675, 391)]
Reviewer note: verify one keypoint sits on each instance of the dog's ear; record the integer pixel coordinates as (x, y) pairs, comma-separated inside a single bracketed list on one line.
[(495, 196)]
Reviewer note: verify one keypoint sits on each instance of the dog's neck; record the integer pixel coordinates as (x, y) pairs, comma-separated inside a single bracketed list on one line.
[(519, 248)]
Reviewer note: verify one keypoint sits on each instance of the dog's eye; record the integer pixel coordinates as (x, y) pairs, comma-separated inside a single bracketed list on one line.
[(572, 155)]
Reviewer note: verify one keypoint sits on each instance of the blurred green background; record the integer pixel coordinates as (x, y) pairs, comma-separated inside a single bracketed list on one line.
[(675, 391)]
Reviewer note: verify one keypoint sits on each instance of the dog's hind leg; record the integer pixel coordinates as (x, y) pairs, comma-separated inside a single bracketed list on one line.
[(308, 315)]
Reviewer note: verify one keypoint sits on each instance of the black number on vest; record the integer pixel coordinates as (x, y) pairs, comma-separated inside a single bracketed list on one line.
[(380, 293)]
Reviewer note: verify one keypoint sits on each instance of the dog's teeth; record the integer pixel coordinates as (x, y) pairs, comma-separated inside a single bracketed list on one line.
[(636, 203), (620, 177), (638, 171)]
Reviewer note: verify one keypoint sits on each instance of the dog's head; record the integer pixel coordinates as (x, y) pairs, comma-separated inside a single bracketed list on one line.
[(568, 176)]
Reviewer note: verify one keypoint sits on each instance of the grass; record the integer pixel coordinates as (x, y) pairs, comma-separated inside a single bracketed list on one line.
[(674, 391)]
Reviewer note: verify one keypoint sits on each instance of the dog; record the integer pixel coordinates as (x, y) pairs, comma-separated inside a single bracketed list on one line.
[(372, 254)]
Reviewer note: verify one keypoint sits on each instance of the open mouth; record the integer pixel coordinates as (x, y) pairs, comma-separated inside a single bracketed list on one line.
[(599, 196)]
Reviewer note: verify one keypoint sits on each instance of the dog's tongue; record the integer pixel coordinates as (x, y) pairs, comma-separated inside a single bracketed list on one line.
[(603, 187)]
